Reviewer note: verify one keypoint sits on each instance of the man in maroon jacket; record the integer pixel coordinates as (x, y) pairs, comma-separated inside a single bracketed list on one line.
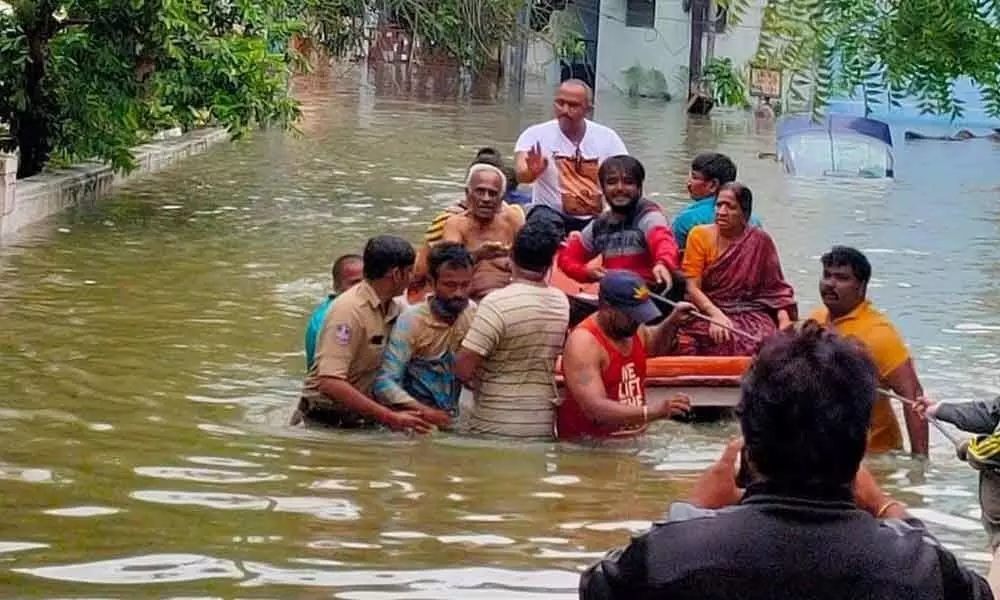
[(635, 235)]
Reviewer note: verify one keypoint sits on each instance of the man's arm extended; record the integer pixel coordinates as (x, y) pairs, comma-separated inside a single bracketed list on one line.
[(904, 381), (577, 254)]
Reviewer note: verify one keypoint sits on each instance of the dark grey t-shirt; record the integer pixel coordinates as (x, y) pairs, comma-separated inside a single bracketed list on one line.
[(776, 547)]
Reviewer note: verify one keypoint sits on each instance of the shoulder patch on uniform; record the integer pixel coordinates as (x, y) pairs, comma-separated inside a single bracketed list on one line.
[(343, 334)]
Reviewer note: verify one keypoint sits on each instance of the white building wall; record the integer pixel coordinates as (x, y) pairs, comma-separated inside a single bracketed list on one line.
[(541, 64), (740, 41), (664, 47)]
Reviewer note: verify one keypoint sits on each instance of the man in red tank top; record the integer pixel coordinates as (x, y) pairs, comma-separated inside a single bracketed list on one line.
[(605, 364)]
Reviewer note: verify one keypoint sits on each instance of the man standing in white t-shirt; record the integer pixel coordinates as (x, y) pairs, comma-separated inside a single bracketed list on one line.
[(561, 157)]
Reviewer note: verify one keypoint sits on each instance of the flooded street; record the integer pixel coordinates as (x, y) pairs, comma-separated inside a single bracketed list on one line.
[(151, 352)]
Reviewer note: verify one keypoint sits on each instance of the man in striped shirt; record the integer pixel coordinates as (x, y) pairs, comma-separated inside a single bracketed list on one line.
[(509, 354), (417, 371)]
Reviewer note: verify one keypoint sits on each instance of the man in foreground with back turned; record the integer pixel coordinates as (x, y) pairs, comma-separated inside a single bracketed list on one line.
[(509, 354), (812, 524)]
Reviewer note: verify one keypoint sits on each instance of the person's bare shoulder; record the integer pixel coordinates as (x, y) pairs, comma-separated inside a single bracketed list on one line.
[(582, 348), (513, 216), (455, 228)]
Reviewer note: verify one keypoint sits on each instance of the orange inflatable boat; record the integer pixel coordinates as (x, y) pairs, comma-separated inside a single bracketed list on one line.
[(712, 382)]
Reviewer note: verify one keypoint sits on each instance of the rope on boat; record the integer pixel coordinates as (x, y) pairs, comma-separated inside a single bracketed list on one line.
[(933, 421)]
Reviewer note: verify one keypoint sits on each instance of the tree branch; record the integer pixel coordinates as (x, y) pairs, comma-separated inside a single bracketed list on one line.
[(67, 23)]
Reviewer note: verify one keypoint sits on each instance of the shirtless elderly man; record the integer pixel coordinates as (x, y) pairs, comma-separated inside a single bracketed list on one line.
[(487, 229)]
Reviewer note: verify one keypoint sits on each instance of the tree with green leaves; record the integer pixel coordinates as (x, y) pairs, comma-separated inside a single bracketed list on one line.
[(883, 50), (726, 82), (90, 79), (469, 31)]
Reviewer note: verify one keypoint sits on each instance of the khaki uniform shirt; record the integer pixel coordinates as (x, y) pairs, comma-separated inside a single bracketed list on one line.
[(350, 345)]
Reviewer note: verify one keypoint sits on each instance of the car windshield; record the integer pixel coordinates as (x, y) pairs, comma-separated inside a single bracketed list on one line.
[(820, 154)]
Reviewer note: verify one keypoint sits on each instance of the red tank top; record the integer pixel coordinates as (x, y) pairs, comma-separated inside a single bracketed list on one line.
[(624, 380)]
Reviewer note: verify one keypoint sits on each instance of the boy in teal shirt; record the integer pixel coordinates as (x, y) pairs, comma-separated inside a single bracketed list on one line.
[(347, 271), (709, 172)]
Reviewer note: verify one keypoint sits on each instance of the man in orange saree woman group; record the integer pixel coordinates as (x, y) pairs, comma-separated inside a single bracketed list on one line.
[(734, 276)]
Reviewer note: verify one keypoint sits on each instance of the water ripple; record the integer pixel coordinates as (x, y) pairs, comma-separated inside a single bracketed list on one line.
[(453, 581), (151, 568), (218, 500), (207, 475), (83, 511)]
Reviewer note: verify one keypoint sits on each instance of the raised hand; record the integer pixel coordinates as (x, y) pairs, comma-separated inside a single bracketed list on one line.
[(536, 161), (716, 487)]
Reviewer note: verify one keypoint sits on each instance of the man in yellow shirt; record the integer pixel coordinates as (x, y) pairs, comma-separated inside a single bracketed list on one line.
[(846, 272)]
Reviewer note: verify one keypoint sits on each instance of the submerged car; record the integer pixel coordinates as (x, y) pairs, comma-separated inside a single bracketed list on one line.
[(835, 146)]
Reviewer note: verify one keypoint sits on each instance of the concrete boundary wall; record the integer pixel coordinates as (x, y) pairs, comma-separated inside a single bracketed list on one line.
[(27, 201)]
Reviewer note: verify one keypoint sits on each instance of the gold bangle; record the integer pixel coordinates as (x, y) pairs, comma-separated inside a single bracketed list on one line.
[(885, 507)]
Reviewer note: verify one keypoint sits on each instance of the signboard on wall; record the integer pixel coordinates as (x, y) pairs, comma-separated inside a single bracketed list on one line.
[(765, 82)]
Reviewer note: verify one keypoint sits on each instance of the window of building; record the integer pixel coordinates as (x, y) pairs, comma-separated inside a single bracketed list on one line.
[(640, 13)]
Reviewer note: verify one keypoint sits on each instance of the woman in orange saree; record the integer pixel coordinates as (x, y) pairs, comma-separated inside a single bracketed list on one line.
[(734, 276)]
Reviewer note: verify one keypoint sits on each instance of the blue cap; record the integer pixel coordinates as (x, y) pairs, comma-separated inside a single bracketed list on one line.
[(627, 292)]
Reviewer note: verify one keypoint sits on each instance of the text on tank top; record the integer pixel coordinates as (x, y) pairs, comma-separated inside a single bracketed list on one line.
[(624, 380)]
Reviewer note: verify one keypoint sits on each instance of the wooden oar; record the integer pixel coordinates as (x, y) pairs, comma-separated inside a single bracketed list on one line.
[(705, 317), (887, 392)]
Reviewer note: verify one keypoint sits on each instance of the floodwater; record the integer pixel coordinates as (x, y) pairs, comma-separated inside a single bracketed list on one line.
[(151, 352)]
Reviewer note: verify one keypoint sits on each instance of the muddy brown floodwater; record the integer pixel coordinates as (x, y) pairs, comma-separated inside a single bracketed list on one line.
[(151, 350)]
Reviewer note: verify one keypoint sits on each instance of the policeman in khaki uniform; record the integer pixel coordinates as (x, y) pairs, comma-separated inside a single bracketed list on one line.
[(338, 388)]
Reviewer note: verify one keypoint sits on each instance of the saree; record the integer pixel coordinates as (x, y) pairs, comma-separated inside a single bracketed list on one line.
[(746, 283)]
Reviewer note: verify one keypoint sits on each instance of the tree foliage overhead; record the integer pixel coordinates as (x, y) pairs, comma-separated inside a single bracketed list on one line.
[(885, 50), (90, 79), (468, 31)]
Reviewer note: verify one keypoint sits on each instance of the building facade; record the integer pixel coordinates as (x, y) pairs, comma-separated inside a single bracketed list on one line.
[(622, 37)]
